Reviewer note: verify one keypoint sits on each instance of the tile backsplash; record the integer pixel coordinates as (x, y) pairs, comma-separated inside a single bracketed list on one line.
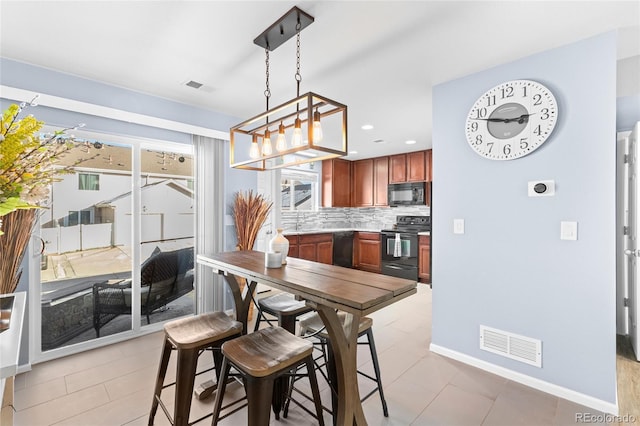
[(359, 218)]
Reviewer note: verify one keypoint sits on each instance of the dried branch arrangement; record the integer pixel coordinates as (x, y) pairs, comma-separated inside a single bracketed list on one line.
[(250, 211), (17, 227)]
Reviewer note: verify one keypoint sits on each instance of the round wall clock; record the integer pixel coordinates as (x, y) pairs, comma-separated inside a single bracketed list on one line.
[(511, 120)]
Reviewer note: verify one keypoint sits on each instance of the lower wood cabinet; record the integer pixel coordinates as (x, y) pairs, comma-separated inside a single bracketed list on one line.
[(424, 258), (367, 251), (314, 247)]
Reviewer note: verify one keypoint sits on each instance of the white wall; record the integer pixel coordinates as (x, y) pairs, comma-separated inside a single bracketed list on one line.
[(510, 270)]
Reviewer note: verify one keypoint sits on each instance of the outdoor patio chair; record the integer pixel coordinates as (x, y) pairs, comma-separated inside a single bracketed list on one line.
[(165, 276)]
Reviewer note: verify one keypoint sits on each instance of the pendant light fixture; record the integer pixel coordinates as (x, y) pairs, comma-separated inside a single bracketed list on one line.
[(315, 125)]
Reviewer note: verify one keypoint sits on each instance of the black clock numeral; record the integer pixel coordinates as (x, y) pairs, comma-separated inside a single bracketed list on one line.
[(544, 114), (474, 126), (491, 100), (479, 140), (523, 143), (482, 113), (507, 92), (538, 130), (524, 91), (490, 145), (537, 99), (506, 150)]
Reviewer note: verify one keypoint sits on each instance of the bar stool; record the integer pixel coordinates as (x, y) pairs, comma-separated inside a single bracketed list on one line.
[(190, 337), (260, 358), (283, 306), (312, 325)]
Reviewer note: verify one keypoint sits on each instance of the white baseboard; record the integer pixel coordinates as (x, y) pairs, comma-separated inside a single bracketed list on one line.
[(559, 391)]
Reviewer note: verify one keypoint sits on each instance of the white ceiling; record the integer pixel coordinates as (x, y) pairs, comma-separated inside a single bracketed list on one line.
[(381, 58)]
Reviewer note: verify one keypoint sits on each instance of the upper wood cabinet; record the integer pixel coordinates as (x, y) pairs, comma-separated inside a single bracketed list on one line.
[(380, 181), (370, 181), (410, 167), (336, 175), (363, 183), (428, 169)]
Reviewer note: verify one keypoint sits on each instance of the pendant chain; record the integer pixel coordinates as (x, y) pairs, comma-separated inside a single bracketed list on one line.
[(267, 92)]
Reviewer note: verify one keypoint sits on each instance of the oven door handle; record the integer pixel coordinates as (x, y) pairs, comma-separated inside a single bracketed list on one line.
[(395, 267)]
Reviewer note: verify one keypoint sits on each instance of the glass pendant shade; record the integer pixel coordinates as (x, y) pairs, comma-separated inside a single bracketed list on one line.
[(281, 142), (254, 151), (266, 143), (317, 127), (297, 133)]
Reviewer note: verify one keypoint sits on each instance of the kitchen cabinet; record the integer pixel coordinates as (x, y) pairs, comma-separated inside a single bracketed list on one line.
[(380, 181), (316, 247), (370, 181), (410, 167), (336, 175), (363, 183), (424, 258), (293, 245), (367, 251), (428, 171)]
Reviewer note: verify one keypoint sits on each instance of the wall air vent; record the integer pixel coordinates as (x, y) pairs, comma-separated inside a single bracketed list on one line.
[(520, 348)]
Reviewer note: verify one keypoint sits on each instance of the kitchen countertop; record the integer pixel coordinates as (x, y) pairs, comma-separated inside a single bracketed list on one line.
[(332, 230), (328, 231)]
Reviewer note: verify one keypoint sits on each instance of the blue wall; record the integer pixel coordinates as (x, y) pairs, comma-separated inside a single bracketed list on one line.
[(510, 270), (41, 80)]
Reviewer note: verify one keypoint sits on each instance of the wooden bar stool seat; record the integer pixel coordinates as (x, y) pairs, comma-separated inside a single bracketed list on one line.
[(312, 324), (260, 358), (189, 337), (283, 306)]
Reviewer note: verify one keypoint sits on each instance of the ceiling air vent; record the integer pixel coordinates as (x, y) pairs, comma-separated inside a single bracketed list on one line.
[(193, 84), (520, 348)]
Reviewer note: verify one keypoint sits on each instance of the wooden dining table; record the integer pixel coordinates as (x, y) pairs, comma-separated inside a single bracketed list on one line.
[(326, 288)]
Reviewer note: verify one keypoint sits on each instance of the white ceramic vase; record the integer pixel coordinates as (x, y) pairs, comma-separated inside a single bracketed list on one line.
[(279, 243)]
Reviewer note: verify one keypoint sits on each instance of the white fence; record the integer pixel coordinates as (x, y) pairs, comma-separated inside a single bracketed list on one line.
[(74, 238)]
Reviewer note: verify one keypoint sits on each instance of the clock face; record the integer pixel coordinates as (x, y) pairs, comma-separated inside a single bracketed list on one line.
[(511, 120)]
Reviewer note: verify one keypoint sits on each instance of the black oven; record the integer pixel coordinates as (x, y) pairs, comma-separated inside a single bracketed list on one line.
[(400, 246), (400, 254)]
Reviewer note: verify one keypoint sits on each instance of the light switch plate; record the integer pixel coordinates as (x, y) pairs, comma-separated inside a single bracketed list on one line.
[(569, 231), (458, 226)]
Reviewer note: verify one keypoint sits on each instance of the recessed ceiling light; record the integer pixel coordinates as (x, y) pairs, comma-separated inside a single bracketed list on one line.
[(367, 127), (353, 152), (410, 142)]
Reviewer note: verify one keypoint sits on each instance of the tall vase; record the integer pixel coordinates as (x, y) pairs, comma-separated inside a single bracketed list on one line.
[(280, 243), (17, 227)]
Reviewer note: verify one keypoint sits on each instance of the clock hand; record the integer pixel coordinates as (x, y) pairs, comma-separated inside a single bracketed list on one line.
[(494, 120), (520, 119)]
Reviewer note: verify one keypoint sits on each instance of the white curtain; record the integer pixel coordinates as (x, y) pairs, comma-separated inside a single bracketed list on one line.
[(209, 153)]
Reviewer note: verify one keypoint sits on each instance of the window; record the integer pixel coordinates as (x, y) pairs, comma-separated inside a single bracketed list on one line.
[(299, 190), (88, 182), (79, 217)]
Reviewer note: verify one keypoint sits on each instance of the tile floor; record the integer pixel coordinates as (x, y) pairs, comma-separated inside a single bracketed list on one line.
[(113, 385)]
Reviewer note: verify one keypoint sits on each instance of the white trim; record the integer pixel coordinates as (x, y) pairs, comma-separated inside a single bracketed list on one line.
[(14, 93), (550, 388)]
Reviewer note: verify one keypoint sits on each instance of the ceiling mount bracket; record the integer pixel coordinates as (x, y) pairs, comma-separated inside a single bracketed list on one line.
[(284, 28)]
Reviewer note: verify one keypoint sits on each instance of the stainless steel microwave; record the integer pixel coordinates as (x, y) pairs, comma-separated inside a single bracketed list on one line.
[(407, 194)]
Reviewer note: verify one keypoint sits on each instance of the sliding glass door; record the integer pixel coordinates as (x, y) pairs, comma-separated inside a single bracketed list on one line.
[(117, 243)]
